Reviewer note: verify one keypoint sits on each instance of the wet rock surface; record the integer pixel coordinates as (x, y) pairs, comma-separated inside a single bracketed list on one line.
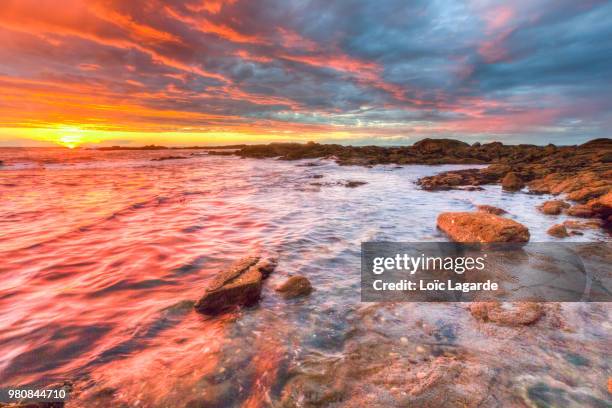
[(580, 210), (406, 355), (580, 225), (515, 314), (558, 231), (553, 207), (512, 182), (490, 209), (354, 183), (295, 286), (481, 227), (347, 183), (239, 285), (164, 158), (33, 405), (602, 206)]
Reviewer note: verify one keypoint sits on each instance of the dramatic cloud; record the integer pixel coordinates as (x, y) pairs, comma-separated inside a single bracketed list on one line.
[(384, 71)]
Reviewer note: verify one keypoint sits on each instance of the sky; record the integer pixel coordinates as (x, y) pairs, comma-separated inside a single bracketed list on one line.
[(114, 72)]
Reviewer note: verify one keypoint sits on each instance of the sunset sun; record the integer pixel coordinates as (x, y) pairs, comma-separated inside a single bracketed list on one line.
[(71, 138)]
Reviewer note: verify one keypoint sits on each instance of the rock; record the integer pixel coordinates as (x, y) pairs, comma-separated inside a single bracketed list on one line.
[(452, 179), (507, 314), (602, 142), (438, 145), (588, 193), (602, 206), (162, 158), (558, 231), (490, 209), (266, 266), (574, 182), (220, 153), (481, 227), (512, 182), (353, 183), (573, 224), (580, 210), (545, 184), (239, 285), (372, 374), (294, 287), (553, 207), (496, 171)]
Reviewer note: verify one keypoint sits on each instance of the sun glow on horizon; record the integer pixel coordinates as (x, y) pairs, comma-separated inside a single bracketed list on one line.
[(81, 136), (71, 141)]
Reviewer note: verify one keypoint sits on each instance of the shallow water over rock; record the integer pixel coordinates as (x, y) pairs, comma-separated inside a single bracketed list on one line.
[(104, 253)]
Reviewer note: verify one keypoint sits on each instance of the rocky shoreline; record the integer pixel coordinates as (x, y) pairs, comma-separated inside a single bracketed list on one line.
[(583, 173)]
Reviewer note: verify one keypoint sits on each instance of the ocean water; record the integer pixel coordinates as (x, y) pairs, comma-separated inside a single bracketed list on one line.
[(102, 254)]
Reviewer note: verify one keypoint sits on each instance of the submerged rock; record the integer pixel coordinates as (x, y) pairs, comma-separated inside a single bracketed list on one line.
[(481, 227), (553, 207), (558, 231), (162, 158), (354, 183), (512, 182), (542, 394), (239, 285), (372, 374), (507, 314), (220, 153), (295, 286), (490, 209)]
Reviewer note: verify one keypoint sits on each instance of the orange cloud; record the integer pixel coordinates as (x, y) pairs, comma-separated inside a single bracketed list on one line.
[(220, 30), (210, 6)]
